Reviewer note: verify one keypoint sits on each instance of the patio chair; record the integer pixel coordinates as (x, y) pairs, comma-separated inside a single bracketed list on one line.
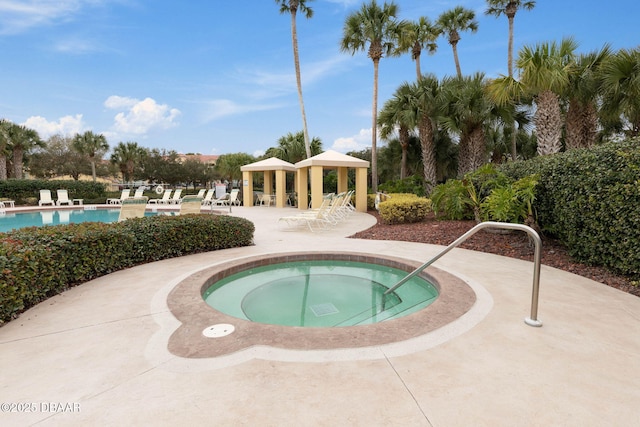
[(123, 196), (45, 198), (190, 205), (313, 218), (233, 197), (139, 192), (176, 197), (201, 193), (133, 207), (63, 198), (208, 197), (220, 201), (166, 198)]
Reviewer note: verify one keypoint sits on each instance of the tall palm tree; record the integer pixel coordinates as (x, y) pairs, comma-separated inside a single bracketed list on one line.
[(91, 145), (291, 7), (452, 22), (380, 29), (125, 156), (581, 124), (291, 148), (16, 140), (468, 111), (399, 113), (427, 103), (420, 35), (544, 75), (621, 88), (509, 8)]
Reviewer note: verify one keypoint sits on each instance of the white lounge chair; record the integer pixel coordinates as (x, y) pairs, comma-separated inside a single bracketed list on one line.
[(313, 218), (45, 198), (208, 197), (190, 205), (166, 198), (201, 193), (176, 197), (220, 201), (63, 198), (139, 192), (133, 207), (233, 197), (123, 196)]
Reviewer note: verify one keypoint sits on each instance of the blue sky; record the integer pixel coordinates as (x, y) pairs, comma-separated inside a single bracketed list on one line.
[(216, 77)]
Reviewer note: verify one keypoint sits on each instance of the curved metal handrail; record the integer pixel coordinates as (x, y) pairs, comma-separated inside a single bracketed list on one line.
[(532, 319)]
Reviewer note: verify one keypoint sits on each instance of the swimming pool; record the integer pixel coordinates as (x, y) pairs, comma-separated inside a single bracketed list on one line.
[(11, 221)]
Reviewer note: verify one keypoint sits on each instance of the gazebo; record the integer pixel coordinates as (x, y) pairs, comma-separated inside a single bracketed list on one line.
[(331, 160), (269, 167)]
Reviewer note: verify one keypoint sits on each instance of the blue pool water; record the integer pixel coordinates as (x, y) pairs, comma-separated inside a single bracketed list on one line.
[(11, 221), (319, 294)]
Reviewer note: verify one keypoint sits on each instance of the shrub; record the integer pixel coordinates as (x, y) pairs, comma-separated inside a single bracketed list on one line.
[(27, 191), (413, 185), (36, 263), (589, 199), (404, 208)]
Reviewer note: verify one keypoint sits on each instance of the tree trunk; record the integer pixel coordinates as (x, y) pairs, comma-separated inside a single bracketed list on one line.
[(478, 148), (427, 145), (17, 162), (374, 131), (548, 121), (454, 46), (3, 168), (296, 61), (404, 143), (573, 125), (590, 128), (417, 49)]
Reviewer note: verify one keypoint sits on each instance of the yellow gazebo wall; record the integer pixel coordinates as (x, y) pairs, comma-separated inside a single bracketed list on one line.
[(247, 188), (317, 186)]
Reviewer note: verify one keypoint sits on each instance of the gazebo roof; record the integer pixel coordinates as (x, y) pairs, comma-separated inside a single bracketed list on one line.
[(334, 159), (270, 164)]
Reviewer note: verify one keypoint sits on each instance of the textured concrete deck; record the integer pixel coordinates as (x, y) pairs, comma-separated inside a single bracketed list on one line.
[(99, 351)]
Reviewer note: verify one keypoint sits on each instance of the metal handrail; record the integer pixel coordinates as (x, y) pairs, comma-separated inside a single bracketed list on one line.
[(532, 320)]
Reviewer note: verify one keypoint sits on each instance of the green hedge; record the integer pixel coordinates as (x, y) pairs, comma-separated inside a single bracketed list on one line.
[(27, 191), (37, 263), (402, 208), (590, 200)]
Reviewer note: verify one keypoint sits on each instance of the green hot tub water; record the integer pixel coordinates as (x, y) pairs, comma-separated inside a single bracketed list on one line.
[(319, 294)]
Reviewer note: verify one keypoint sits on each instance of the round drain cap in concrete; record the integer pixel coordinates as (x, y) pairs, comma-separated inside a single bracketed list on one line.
[(219, 330)]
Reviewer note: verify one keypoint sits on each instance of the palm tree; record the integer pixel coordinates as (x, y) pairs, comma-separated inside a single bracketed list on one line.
[(427, 103), (621, 88), (509, 9), (291, 148), (544, 75), (581, 125), (380, 29), (452, 22), (419, 36), (399, 112), (125, 156), (468, 111), (291, 7), (17, 140), (91, 145)]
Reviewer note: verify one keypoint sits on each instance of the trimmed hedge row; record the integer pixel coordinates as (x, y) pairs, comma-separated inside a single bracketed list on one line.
[(403, 208), (590, 200), (26, 191), (37, 263)]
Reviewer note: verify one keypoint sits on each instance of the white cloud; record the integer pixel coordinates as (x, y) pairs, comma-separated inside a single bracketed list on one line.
[(17, 16), (141, 116), (66, 126), (219, 108), (357, 142)]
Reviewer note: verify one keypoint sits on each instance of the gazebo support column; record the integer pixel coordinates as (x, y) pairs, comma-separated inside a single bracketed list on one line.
[(303, 188), (361, 189), (343, 180), (316, 186), (281, 191), (247, 189)]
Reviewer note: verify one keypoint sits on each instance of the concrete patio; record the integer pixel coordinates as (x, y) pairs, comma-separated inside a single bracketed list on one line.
[(97, 354)]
